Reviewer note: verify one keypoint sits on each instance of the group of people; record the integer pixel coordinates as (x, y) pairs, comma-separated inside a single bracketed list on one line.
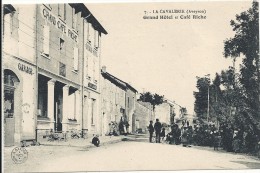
[(226, 136), (158, 129)]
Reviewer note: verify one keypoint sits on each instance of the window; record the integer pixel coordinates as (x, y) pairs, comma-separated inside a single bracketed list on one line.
[(92, 110), (96, 39), (12, 22), (61, 44), (64, 17), (91, 33), (62, 71), (9, 81), (128, 102), (76, 59), (74, 19), (46, 39), (61, 11)]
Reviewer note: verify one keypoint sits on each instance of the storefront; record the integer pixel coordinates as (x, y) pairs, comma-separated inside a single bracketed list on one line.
[(18, 101)]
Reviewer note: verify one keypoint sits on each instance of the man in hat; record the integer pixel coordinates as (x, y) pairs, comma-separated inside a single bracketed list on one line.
[(157, 128), (151, 130)]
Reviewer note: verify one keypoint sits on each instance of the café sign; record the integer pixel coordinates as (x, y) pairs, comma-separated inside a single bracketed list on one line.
[(59, 24)]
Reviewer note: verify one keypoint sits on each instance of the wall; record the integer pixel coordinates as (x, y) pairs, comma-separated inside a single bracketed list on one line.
[(130, 107), (51, 63), (19, 57), (113, 98), (162, 112), (143, 115)]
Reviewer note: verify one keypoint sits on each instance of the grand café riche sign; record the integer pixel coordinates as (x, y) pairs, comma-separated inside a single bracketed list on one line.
[(58, 23)]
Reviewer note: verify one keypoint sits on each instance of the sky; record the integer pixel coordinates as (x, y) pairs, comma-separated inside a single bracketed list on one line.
[(165, 56)]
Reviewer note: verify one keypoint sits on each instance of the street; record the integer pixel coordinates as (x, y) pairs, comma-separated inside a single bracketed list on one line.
[(128, 155)]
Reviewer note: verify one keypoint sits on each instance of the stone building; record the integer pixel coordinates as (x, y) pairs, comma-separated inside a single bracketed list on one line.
[(51, 69), (142, 116), (164, 111), (118, 101)]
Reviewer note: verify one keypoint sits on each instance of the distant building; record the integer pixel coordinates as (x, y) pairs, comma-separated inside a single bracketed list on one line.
[(164, 111), (118, 101), (142, 116)]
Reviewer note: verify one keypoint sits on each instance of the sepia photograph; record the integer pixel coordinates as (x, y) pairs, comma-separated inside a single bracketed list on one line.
[(123, 86)]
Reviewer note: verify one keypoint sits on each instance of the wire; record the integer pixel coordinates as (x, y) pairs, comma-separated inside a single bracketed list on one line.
[(40, 42), (34, 30)]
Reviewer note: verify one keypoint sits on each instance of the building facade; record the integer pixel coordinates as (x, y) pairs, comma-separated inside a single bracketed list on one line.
[(130, 106), (51, 64), (118, 102), (142, 117), (164, 112), (113, 100)]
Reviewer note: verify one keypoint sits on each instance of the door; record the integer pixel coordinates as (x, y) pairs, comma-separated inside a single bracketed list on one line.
[(9, 125)]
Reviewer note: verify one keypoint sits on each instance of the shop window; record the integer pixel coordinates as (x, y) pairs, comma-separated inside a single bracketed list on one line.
[(9, 88), (9, 103), (73, 104), (42, 97), (62, 70)]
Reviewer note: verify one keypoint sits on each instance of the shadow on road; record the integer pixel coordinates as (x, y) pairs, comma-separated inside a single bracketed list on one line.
[(250, 165)]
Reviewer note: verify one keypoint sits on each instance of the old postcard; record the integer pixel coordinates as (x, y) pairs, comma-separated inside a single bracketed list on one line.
[(130, 86)]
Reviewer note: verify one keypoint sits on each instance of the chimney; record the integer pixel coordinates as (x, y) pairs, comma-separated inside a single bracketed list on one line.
[(104, 69)]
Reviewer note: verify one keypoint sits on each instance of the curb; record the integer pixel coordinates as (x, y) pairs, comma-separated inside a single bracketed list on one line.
[(88, 145)]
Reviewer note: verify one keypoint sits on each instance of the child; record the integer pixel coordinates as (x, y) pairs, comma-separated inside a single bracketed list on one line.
[(217, 140), (162, 134), (96, 141)]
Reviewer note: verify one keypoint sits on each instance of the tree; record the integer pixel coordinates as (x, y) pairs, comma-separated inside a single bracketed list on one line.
[(154, 99), (246, 42), (201, 97)]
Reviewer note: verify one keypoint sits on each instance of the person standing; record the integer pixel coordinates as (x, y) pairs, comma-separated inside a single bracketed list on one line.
[(157, 128), (151, 130), (162, 135)]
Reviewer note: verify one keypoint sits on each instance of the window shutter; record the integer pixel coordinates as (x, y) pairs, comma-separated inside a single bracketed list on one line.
[(76, 58), (46, 39)]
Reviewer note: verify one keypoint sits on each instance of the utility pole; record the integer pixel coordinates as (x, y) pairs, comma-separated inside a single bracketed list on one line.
[(208, 106), (208, 76)]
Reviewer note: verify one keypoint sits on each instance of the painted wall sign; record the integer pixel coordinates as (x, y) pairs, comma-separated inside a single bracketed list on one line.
[(94, 51), (93, 86), (59, 24), (25, 68)]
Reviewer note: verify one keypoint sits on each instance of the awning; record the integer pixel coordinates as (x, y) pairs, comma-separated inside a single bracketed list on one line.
[(8, 8)]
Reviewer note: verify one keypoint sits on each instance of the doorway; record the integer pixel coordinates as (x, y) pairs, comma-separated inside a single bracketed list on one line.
[(58, 104), (10, 82)]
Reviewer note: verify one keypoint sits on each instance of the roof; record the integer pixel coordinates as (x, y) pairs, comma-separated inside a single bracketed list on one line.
[(85, 13), (117, 81), (114, 80)]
